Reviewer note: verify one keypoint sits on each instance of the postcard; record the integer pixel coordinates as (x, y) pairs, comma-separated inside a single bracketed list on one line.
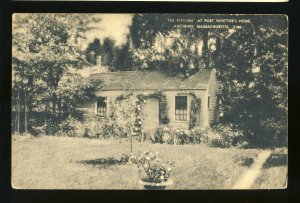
[(148, 101)]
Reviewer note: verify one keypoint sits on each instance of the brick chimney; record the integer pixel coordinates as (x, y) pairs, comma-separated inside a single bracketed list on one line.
[(98, 62)]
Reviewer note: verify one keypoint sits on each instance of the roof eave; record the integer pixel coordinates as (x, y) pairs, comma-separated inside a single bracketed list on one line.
[(120, 89)]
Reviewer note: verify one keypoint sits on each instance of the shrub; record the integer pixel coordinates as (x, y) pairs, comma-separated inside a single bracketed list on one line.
[(199, 135), (38, 130), (155, 170), (125, 158), (219, 135), (229, 135), (157, 137), (163, 135), (274, 133), (92, 129), (67, 127), (182, 136)]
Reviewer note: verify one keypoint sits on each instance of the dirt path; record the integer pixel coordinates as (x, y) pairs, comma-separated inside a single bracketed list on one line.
[(247, 179)]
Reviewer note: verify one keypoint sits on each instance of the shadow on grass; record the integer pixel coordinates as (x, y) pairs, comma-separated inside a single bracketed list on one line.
[(245, 161), (101, 163), (276, 159)]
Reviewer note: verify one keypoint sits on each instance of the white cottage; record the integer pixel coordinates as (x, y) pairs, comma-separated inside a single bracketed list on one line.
[(179, 93)]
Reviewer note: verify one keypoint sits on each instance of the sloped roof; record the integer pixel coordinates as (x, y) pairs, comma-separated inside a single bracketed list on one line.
[(152, 80)]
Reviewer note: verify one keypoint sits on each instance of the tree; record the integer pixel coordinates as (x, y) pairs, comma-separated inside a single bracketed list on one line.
[(45, 46), (107, 50), (124, 58), (93, 50), (192, 42), (256, 100), (253, 74), (123, 114)]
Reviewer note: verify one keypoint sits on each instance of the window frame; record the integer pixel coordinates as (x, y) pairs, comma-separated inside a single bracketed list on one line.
[(181, 114), (103, 111)]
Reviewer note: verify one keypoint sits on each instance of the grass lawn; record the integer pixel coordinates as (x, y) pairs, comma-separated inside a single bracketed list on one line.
[(274, 171), (50, 162)]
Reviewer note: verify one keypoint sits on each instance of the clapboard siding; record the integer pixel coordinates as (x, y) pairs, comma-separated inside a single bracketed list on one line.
[(202, 117), (206, 115), (112, 95), (212, 93), (170, 96)]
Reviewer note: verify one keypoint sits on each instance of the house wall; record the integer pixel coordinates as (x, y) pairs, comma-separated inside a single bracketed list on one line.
[(171, 105), (170, 96), (213, 113)]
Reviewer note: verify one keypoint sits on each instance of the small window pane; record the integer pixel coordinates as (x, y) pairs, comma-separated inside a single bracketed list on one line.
[(101, 106), (181, 108)]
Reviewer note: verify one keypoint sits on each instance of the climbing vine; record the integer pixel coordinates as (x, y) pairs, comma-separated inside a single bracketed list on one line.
[(195, 112), (141, 99), (163, 105), (195, 109)]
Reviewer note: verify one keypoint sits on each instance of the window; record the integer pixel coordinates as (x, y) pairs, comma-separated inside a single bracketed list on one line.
[(181, 108), (208, 102), (101, 106)]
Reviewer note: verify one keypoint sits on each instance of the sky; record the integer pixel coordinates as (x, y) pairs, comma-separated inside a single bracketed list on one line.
[(114, 26)]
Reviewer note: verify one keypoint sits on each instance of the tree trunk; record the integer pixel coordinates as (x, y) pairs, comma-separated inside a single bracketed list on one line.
[(60, 110), (29, 100), (130, 140), (25, 112), (54, 102)]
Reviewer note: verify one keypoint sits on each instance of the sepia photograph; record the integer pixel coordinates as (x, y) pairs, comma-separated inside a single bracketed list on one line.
[(149, 101)]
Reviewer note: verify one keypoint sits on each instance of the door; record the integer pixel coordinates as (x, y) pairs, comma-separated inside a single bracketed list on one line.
[(151, 115)]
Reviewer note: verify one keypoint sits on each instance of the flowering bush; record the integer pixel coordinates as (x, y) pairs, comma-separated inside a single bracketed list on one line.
[(229, 135), (182, 136), (71, 127), (156, 171), (162, 135), (218, 136), (125, 158)]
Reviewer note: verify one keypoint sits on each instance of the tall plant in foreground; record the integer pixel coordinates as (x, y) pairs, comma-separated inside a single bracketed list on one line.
[(122, 112)]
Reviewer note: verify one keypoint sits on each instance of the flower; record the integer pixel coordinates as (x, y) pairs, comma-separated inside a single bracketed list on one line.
[(156, 171)]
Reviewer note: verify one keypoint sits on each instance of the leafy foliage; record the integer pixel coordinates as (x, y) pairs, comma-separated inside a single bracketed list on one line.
[(114, 57), (253, 74), (124, 58), (251, 63), (195, 111), (123, 114), (45, 49), (218, 136), (156, 171)]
